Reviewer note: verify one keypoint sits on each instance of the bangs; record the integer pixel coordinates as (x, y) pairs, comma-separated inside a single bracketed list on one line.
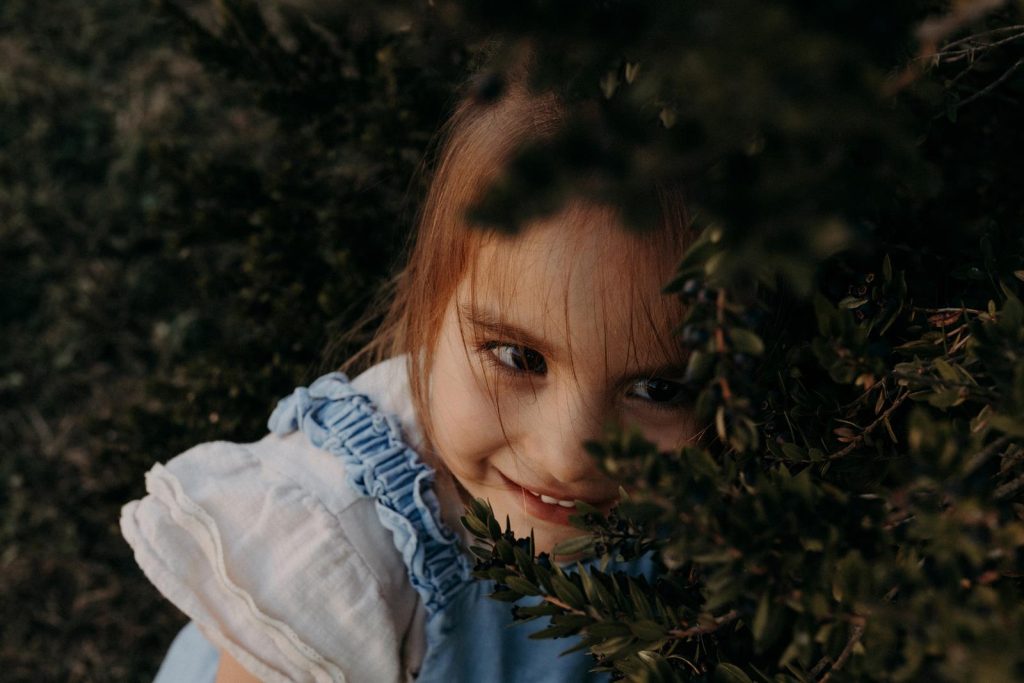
[(578, 282)]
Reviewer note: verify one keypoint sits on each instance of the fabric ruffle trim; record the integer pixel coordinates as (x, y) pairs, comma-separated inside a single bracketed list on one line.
[(378, 463), (167, 495)]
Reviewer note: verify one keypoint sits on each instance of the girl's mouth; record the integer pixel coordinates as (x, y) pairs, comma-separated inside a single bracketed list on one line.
[(546, 507)]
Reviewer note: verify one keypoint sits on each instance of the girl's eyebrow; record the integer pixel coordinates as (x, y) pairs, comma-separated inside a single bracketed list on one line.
[(493, 324), (490, 323)]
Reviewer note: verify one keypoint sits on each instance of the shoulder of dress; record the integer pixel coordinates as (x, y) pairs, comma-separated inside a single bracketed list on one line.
[(288, 471), (266, 546)]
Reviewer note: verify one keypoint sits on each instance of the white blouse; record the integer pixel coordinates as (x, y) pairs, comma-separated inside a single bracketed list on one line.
[(277, 560)]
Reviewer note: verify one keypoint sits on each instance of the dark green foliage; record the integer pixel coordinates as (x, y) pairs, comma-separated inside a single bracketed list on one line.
[(180, 241), (855, 509)]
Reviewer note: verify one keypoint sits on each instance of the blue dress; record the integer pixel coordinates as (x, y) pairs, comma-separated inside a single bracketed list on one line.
[(469, 637)]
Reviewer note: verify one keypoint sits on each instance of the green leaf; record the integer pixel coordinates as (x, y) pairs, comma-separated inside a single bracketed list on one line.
[(852, 302), (544, 609), (505, 596), (517, 583), (760, 622), (567, 592), (589, 588), (1012, 426), (574, 545), (608, 629), (699, 367), (475, 526), (745, 341), (647, 629), (730, 673), (946, 371), (1011, 316), (946, 398), (543, 578), (720, 423), (555, 631), (480, 552)]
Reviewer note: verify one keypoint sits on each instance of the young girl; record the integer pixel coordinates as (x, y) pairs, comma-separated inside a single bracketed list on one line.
[(330, 550)]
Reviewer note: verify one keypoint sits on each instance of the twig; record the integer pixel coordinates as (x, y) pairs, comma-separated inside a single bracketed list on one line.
[(822, 664), (956, 55), (1013, 455), (931, 33), (1009, 488), (979, 458), (867, 430), (935, 29), (991, 86), (558, 603), (950, 309), (855, 635), (959, 344), (730, 616), (974, 36)]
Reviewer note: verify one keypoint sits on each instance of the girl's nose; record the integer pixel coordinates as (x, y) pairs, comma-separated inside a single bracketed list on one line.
[(568, 417)]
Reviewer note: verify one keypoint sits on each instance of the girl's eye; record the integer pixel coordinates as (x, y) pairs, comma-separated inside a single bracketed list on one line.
[(660, 391), (518, 358)]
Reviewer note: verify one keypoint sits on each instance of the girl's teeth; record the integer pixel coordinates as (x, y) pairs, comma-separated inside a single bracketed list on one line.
[(554, 501)]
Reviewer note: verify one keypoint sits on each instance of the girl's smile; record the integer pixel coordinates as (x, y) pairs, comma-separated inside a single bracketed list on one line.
[(551, 336), (548, 506)]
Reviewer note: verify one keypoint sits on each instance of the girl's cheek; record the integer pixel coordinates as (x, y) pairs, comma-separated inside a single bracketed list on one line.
[(669, 432), (465, 438)]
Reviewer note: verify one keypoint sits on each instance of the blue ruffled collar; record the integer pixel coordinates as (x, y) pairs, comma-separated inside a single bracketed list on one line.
[(378, 463)]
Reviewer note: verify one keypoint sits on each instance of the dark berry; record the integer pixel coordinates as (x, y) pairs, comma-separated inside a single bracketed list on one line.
[(692, 336), (870, 309), (488, 87), (691, 287), (752, 318)]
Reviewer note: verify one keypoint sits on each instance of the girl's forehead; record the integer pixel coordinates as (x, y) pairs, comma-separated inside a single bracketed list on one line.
[(580, 282)]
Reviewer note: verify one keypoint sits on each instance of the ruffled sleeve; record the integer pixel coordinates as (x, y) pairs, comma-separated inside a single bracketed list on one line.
[(277, 560)]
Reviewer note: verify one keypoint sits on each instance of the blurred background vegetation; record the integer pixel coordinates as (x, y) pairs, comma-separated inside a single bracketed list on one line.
[(176, 252)]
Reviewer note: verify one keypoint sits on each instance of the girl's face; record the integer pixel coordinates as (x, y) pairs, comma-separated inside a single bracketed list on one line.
[(543, 345)]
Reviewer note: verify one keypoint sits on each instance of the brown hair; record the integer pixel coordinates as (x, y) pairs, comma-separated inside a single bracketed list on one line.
[(475, 144)]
